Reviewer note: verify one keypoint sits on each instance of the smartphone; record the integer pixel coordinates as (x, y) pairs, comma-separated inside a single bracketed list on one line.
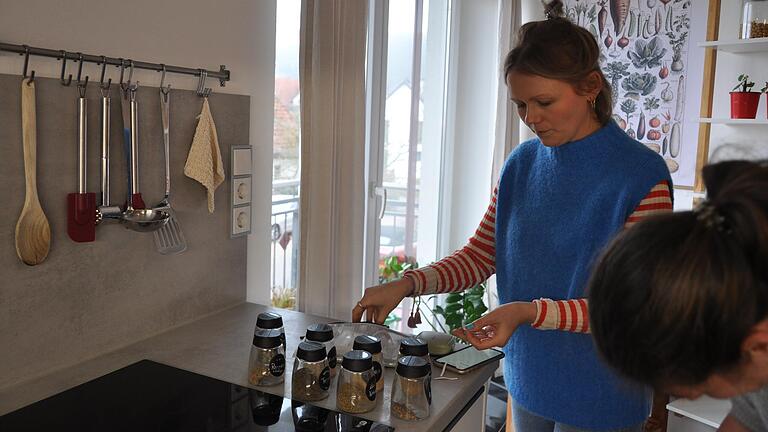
[(468, 359)]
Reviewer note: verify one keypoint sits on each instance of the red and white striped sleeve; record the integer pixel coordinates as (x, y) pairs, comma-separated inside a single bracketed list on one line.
[(465, 268), (573, 315)]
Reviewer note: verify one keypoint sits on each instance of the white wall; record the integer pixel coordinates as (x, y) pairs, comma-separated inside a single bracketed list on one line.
[(191, 33)]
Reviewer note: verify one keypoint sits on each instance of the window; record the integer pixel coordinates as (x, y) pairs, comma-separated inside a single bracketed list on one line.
[(407, 81), (286, 156)]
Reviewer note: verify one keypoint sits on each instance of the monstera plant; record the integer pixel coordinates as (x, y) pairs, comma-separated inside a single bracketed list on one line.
[(647, 53)]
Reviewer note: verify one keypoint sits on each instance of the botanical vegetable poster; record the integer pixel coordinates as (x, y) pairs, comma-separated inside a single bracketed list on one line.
[(644, 54)]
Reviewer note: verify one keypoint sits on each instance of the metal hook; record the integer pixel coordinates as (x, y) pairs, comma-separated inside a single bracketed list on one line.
[(163, 89), (103, 70), (122, 70), (130, 73), (80, 83), (26, 63), (63, 68), (202, 90)]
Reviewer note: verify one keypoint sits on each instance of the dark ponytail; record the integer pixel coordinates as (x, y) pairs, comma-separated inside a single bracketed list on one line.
[(673, 298), (559, 49)]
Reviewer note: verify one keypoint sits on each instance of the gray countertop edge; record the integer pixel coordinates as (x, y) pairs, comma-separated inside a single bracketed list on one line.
[(218, 346)]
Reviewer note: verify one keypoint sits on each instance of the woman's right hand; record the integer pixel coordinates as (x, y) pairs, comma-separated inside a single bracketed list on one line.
[(378, 301)]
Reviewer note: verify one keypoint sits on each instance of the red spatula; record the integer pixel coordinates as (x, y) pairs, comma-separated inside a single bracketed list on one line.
[(81, 206)]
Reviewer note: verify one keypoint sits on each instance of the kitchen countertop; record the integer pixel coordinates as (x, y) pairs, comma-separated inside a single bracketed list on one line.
[(219, 345)]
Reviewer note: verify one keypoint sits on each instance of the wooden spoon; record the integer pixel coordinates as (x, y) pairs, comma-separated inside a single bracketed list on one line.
[(33, 234)]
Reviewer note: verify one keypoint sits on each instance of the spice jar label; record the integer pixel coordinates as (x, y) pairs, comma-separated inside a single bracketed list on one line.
[(325, 378), (332, 357), (377, 370), (277, 365), (428, 390), (370, 389)]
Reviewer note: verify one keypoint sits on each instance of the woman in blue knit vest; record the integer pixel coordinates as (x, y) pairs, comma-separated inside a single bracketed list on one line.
[(680, 301), (560, 198)]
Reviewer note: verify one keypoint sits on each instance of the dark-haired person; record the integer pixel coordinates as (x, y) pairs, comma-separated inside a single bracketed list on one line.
[(680, 301), (560, 198)]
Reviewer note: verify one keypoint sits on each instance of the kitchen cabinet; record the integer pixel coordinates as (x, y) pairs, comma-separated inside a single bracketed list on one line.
[(218, 346)]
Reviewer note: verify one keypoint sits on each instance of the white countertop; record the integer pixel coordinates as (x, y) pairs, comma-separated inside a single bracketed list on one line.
[(218, 346)]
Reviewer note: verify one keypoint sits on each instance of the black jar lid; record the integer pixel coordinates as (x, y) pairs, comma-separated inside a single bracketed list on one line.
[(320, 333), (372, 344), (413, 347), (269, 320), (357, 361), (267, 339), (413, 367), (311, 351)]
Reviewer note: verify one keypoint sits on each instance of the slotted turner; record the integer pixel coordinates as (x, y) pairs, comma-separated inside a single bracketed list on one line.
[(169, 239)]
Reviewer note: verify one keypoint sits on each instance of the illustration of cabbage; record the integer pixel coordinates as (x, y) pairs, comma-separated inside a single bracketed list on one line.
[(647, 53), (637, 84)]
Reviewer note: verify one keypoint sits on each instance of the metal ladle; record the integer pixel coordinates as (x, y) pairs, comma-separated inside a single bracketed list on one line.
[(142, 220)]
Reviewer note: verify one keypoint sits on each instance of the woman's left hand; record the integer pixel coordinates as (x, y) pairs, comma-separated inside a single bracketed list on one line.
[(495, 328)]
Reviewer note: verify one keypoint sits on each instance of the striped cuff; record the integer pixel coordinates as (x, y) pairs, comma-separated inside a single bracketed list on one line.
[(566, 315)]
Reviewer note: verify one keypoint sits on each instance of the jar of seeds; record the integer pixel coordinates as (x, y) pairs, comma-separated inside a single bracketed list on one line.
[(267, 362), (323, 333), (311, 374), (356, 391), (271, 321), (413, 346), (411, 389), (372, 345)]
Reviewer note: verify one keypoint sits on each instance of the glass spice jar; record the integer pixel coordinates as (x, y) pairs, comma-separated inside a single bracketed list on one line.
[(267, 362), (414, 346), (311, 374), (754, 19), (356, 389), (323, 333), (372, 344), (271, 321), (411, 389)]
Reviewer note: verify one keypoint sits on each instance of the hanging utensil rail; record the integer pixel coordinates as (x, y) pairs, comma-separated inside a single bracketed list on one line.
[(222, 74)]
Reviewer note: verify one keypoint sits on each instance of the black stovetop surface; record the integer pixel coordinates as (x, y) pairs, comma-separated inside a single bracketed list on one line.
[(149, 396)]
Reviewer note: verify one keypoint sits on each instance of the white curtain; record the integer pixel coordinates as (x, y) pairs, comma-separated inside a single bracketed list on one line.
[(332, 79), (507, 129)]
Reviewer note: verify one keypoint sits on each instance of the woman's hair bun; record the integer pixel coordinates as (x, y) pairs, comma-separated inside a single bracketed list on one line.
[(554, 9)]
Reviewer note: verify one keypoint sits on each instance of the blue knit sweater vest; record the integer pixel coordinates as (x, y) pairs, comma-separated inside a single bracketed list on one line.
[(557, 208)]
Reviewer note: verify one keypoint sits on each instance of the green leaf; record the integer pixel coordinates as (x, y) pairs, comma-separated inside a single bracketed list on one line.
[(453, 298), (469, 309), (452, 308), (481, 309), (439, 310)]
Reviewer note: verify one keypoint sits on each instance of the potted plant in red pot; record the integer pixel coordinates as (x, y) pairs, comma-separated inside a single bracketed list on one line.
[(744, 103)]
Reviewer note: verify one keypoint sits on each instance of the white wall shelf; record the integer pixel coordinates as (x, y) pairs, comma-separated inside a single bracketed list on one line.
[(731, 121), (706, 410), (738, 45)]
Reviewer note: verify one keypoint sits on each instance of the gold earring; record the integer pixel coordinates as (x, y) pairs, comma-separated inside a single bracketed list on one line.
[(593, 103)]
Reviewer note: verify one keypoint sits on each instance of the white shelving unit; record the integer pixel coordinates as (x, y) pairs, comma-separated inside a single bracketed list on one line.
[(738, 45), (731, 121)]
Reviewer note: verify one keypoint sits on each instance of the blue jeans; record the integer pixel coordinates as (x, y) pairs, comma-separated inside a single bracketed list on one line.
[(526, 421)]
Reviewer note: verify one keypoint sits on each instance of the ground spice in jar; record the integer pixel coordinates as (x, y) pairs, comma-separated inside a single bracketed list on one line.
[(758, 29), (267, 360), (400, 411), (311, 374), (356, 391), (352, 398)]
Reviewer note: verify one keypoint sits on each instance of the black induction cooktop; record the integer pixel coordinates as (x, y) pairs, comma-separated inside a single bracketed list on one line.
[(149, 396)]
